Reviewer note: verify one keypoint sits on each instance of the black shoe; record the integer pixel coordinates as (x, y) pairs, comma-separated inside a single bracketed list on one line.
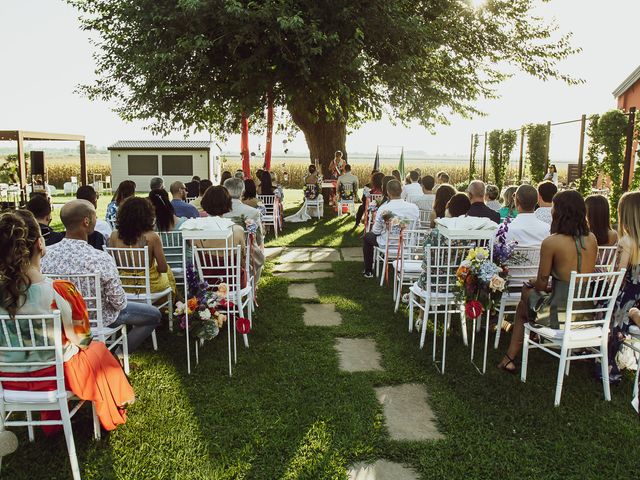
[(368, 274)]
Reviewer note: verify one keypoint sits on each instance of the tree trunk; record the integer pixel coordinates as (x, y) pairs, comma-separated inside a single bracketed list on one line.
[(323, 136)]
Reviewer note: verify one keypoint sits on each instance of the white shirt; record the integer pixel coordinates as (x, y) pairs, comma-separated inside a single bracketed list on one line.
[(410, 190), (104, 228), (527, 230), (400, 209), (424, 201), (544, 214)]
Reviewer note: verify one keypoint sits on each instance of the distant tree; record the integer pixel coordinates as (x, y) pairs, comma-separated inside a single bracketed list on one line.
[(330, 65)]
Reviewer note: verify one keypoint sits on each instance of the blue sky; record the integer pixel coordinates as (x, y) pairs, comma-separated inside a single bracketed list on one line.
[(45, 55)]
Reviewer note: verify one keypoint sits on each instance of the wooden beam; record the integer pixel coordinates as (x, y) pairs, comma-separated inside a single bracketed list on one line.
[(84, 178), (583, 129), (521, 158), (22, 169), (471, 158), (32, 136), (547, 147), (484, 159), (626, 175)]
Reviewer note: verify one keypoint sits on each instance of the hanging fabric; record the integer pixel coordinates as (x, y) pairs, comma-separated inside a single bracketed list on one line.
[(244, 147), (267, 150)]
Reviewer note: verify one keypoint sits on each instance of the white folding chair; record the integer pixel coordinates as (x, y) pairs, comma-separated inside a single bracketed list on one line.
[(346, 197), (588, 313), (271, 217), (35, 341), (133, 267), (633, 342), (316, 203), (407, 267), (190, 199), (371, 216), (383, 255), (425, 219), (518, 274), (74, 184), (172, 247), (607, 258), (106, 185), (438, 296), (88, 284)]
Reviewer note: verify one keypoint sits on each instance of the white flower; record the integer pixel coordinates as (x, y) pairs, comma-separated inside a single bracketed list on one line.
[(497, 283), (179, 308), (205, 314)]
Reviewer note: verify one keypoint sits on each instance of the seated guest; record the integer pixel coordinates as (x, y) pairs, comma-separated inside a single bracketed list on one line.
[(239, 174), (385, 196), (491, 198), (526, 228), (375, 188), (458, 206), (599, 220), (509, 203), (90, 370), (425, 200), (348, 178), (378, 234), (74, 256), (266, 186), (478, 208), (204, 184), (193, 187), (546, 191), (136, 219), (156, 183), (180, 205), (441, 199), (225, 176), (239, 210), (166, 219), (570, 247), (413, 188), (441, 179), (249, 194), (312, 176), (88, 193), (41, 208), (396, 174), (126, 189)]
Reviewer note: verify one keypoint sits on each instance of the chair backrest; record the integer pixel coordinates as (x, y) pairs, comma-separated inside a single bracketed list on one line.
[(133, 268), (346, 191), (191, 199), (412, 245), (607, 258), (524, 267), (425, 219), (441, 264), (172, 246), (33, 342), (220, 265), (591, 299), (311, 191), (377, 197), (88, 284), (74, 179), (267, 200)]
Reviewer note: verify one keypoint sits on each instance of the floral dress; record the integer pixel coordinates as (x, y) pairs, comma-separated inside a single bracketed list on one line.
[(628, 297), (112, 213)]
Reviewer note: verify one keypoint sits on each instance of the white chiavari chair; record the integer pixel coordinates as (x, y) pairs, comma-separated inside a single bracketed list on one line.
[(346, 198), (172, 247), (313, 201), (408, 264), (271, 217), (607, 258)]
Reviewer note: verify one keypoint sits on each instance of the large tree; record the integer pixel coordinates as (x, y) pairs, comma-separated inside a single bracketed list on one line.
[(329, 64)]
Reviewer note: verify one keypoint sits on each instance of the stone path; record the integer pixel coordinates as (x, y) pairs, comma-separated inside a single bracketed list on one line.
[(313, 254), (381, 470), (295, 276), (303, 291), (358, 354), (321, 315)]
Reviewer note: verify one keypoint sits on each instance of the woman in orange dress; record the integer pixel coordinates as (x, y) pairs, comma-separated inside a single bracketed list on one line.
[(91, 371)]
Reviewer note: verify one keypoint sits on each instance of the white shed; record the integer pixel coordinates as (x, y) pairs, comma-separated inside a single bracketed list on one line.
[(141, 160)]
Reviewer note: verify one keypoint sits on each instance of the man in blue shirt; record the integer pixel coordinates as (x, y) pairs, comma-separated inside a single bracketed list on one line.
[(182, 208)]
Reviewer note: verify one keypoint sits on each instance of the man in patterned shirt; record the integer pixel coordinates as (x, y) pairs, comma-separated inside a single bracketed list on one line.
[(73, 255)]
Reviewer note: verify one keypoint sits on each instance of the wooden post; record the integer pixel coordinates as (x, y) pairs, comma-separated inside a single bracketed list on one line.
[(471, 159), (484, 159), (626, 175), (583, 128), (84, 178), (521, 159), (547, 146), (22, 169)]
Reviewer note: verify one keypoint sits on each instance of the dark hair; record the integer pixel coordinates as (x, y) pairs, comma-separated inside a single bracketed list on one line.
[(443, 195), (555, 170), (547, 190), (216, 201), (312, 169), (204, 184), (442, 175), (414, 176), (347, 168), (459, 204), (195, 178), (266, 187), (39, 205), (396, 174), (226, 175), (376, 180), (87, 192), (135, 217), (428, 182), (165, 212), (569, 214), (249, 189), (19, 232), (527, 197), (598, 217), (126, 189), (385, 181)]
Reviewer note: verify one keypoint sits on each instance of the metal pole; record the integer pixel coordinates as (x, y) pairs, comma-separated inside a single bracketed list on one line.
[(627, 153), (583, 127), (548, 145), (22, 170), (484, 159), (521, 159), (471, 159)]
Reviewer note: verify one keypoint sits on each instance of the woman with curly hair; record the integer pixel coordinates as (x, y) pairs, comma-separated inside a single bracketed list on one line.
[(136, 219), (90, 370), (570, 247), (126, 189)]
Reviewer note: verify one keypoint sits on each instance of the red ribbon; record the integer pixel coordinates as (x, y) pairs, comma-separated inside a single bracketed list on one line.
[(252, 268), (243, 326)]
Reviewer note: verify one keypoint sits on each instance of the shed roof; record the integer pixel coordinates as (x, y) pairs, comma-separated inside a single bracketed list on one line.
[(161, 145), (628, 82)]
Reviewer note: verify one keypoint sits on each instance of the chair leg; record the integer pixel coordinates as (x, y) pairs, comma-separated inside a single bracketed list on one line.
[(463, 327), (68, 436), (398, 291), (125, 349), (525, 356), (566, 370), (171, 310), (411, 300), (96, 423), (29, 415), (154, 340), (499, 325), (423, 326), (604, 363), (560, 379)]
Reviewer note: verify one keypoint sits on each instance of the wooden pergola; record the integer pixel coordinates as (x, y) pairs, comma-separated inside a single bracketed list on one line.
[(20, 136)]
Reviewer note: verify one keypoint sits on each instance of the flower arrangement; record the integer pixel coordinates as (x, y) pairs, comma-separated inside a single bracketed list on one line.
[(480, 282), (373, 206), (344, 194), (310, 191), (205, 311), (250, 226), (279, 192), (396, 224)]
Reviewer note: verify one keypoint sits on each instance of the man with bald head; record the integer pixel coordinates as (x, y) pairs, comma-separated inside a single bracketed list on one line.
[(182, 208), (73, 255), (476, 192)]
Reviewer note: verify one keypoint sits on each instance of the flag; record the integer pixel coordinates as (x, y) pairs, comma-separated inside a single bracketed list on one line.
[(244, 147), (376, 161), (401, 164), (267, 150)]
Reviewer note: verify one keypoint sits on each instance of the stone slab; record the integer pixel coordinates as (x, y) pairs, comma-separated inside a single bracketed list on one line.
[(407, 414), (352, 254), (294, 255), (297, 276), (358, 355), (332, 256), (271, 253), (303, 267), (381, 470), (321, 315), (304, 291)]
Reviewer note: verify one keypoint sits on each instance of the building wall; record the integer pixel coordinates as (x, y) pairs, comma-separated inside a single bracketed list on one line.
[(120, 168), (631, 98)]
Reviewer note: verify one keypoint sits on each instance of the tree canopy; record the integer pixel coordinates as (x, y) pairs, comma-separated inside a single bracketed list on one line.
[(329, 64)]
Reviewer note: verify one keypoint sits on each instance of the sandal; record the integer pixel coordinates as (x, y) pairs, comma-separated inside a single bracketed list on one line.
[(512, 362)]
